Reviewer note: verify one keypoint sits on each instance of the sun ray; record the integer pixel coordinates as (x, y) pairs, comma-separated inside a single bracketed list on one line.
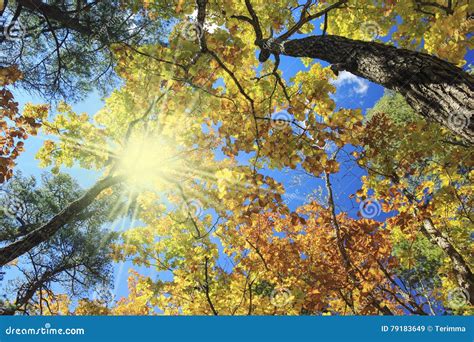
[(96, 149), (122, 229)]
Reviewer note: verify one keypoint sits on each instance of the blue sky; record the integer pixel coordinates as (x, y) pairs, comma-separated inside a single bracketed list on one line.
[(352, 92)]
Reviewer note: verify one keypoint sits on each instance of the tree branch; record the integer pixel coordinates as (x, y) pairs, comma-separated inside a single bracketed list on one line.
[(46, 231)]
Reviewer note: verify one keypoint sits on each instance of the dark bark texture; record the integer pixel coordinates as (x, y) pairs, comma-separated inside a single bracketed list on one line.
[(434, 88), (460, 267), (46, 231)]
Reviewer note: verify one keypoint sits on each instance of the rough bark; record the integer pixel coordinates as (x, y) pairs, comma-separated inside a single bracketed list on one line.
[(434, 88), (46, 231), (460, 267)]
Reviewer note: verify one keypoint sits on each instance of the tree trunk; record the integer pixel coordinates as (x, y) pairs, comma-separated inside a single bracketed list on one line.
[(46, 231), (460, 267), (56, 14), (434, 88)]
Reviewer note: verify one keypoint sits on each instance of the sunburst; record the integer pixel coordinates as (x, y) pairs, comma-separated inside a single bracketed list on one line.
[(148, 163)]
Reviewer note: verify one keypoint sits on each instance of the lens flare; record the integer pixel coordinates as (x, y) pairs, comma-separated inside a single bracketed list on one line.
[(149, 162)]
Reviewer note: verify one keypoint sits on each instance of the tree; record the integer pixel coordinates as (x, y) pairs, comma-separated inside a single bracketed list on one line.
[(419, 171), (135, 117), (298, 270), (76, 258), (43, 231), (187, 148), (435, 88), (15, 127), (63, 48)]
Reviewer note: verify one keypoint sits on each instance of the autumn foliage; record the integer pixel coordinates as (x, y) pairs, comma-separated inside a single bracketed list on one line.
[(15, 127), (198, 143)]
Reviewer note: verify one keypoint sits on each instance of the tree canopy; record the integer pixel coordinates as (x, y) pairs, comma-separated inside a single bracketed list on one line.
[(203, 121)]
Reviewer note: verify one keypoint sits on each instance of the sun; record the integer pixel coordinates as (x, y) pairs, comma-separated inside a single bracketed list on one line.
[(149, 162)]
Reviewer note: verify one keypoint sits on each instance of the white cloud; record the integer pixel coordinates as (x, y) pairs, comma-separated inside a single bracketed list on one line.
[(359, 85)]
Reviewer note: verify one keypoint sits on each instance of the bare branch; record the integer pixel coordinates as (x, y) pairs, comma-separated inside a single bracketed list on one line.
[(207, 286), (307, 18)]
